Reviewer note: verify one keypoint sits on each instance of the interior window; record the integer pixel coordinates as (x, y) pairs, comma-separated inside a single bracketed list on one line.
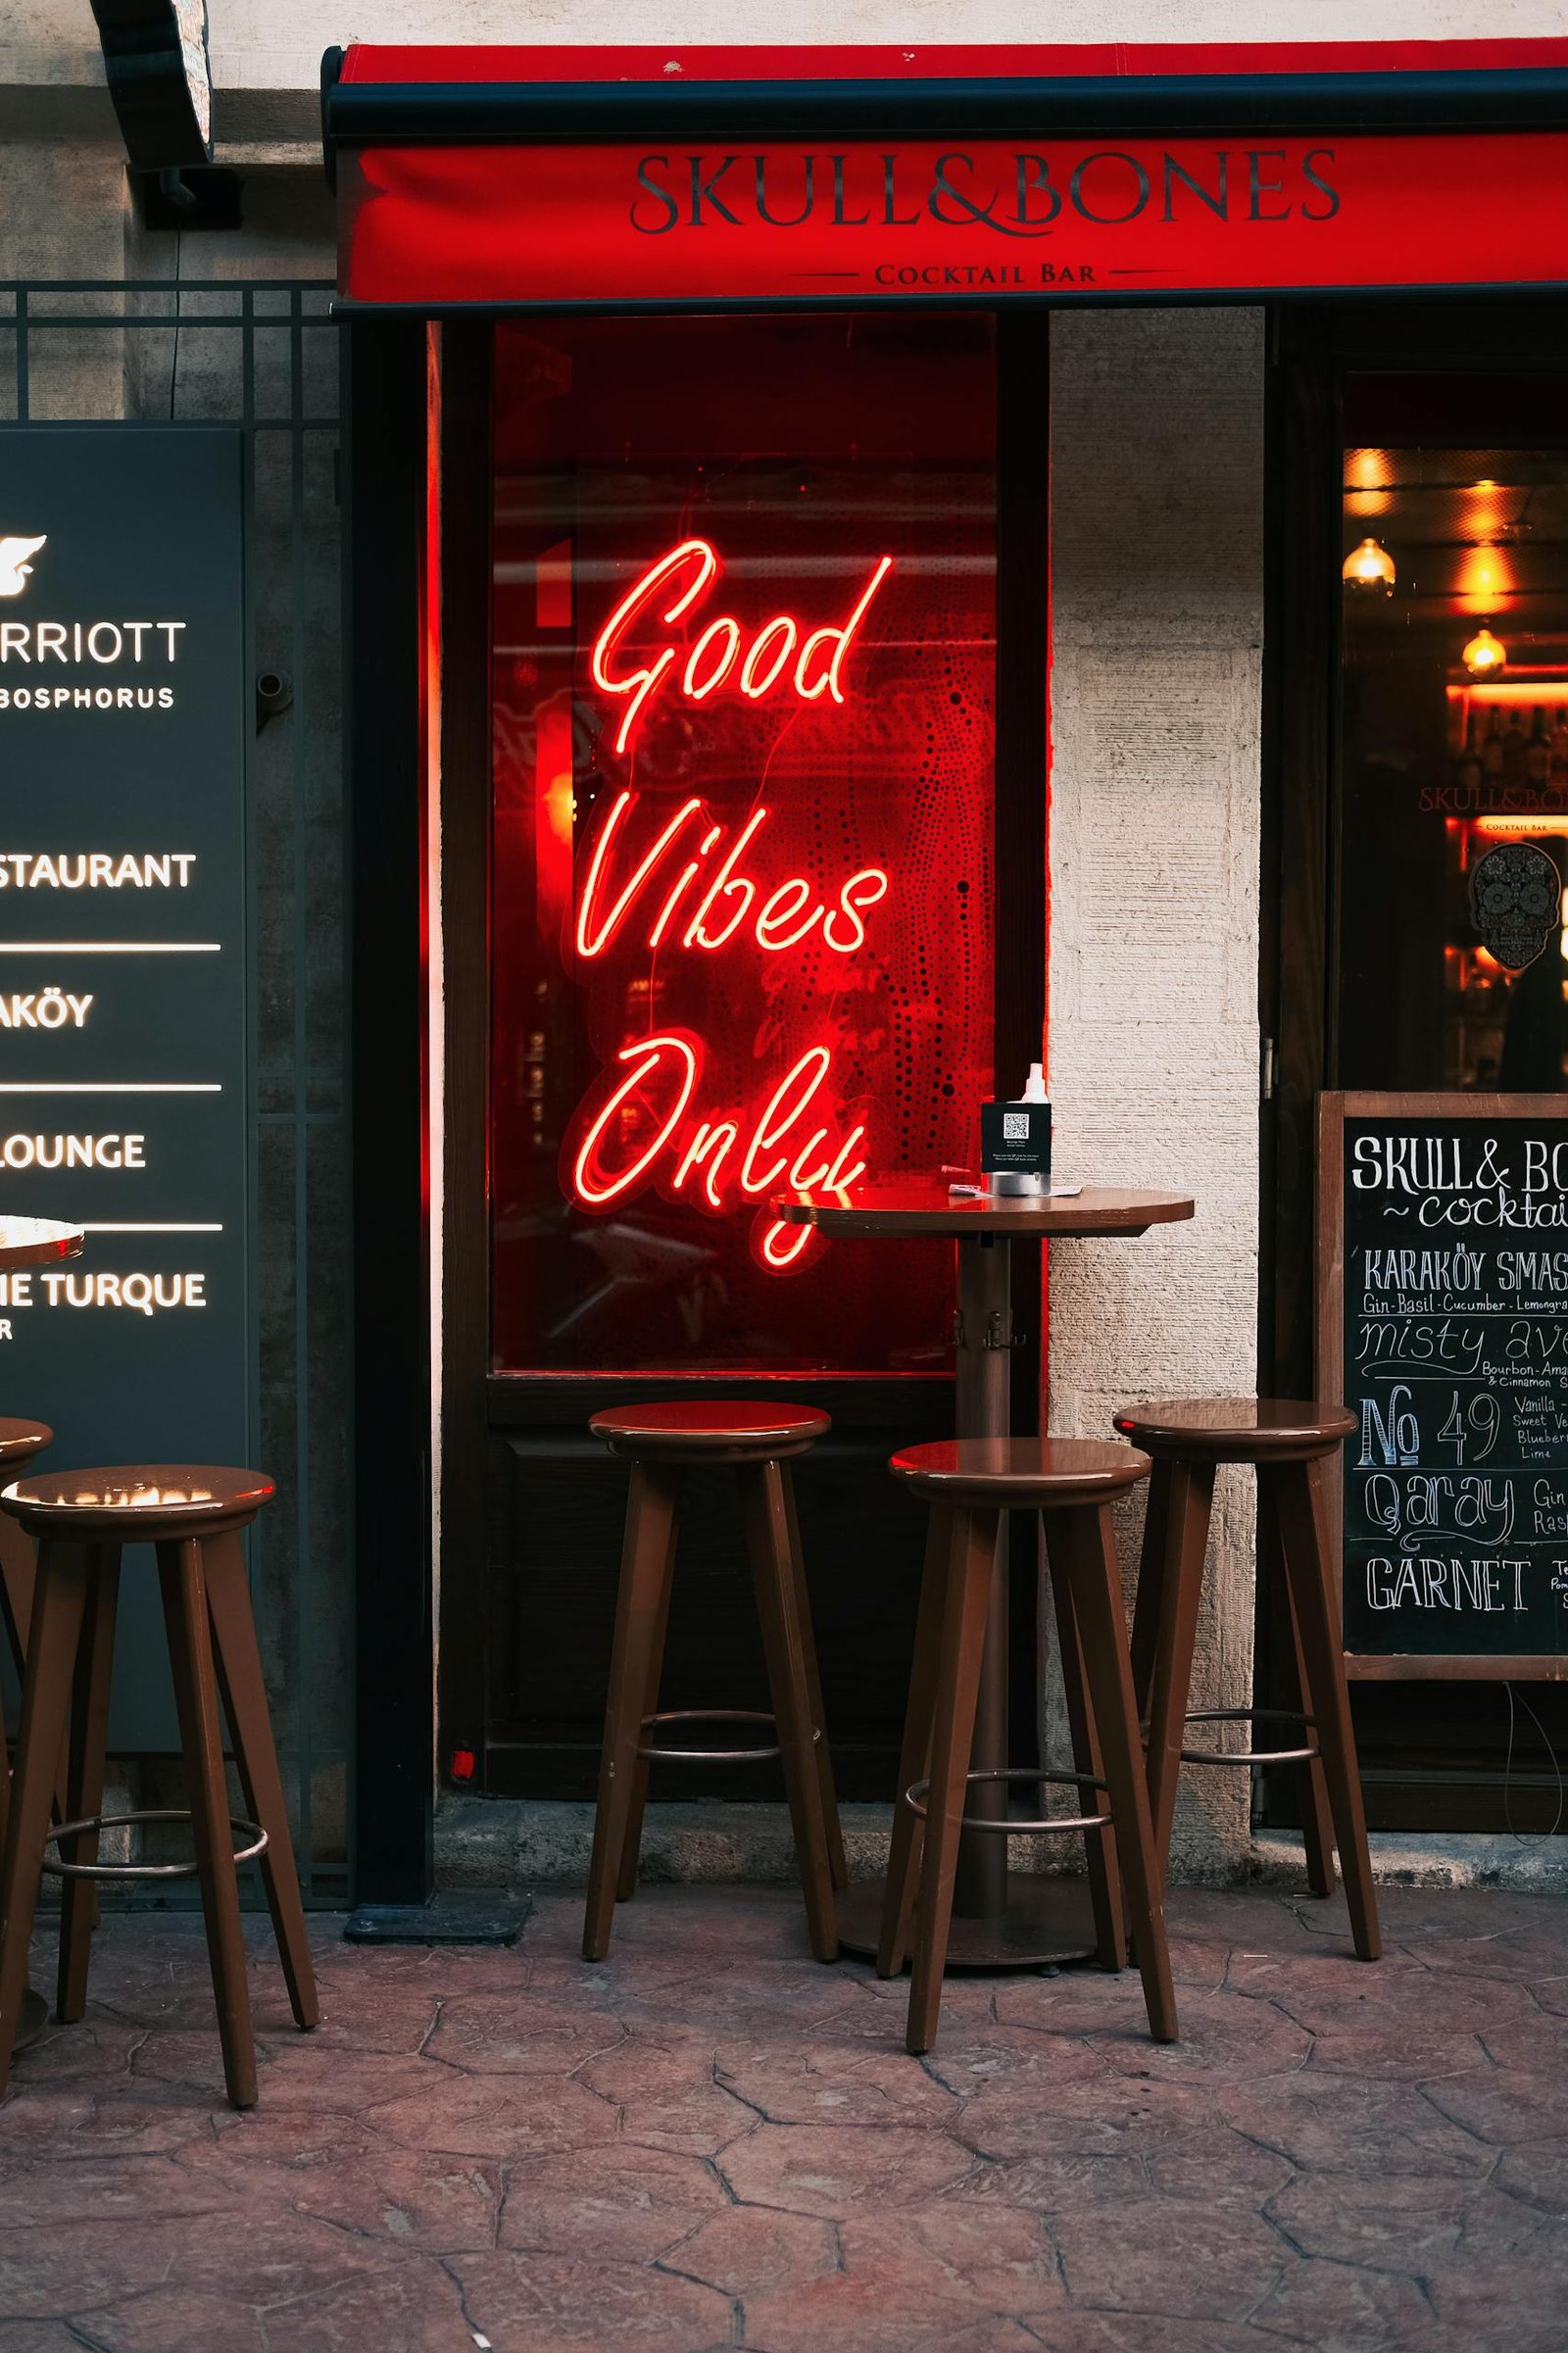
[(743, 750)]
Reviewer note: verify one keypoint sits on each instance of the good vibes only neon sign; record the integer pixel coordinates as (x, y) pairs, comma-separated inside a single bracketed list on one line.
[(705, 887)]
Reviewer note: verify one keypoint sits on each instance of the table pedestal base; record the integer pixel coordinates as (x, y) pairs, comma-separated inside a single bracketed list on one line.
[(1047, 1924)]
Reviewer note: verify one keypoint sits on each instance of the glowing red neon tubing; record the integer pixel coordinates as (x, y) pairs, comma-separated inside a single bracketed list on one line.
[(640, 684), (587, 947), (716, 650), (644, 1054)]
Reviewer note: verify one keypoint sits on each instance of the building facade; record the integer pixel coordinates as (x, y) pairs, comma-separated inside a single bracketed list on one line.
[(1233, 772)]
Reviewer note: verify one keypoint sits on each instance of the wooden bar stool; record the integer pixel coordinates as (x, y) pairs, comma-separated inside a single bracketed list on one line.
[(969, 1482), (1289, 1440), (194, 1516), (661, 1441), (19, 1441)]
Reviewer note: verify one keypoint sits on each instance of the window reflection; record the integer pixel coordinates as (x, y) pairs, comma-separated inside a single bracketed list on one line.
[(1453, 742)]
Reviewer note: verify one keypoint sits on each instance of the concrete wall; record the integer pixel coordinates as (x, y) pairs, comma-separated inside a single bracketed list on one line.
[(1157, 604), (266, 52)]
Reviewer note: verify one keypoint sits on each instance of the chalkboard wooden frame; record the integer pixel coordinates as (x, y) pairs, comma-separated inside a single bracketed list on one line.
[(1334, 1108)]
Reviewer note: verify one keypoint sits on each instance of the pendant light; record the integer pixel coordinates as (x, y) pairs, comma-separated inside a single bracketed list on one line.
[(1369, 566), (1485, 655)]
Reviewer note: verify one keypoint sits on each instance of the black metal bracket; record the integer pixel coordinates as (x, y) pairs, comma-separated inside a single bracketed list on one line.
[(446, 1919)]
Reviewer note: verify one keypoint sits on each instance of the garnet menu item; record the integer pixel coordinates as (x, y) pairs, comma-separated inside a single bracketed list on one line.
[(1443, 1255)]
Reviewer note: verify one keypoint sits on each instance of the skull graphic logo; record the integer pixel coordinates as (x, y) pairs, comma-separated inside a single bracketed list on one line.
[(1515, 894)]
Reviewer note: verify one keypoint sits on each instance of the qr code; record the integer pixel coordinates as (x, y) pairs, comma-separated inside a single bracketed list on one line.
[(1016, 1127)]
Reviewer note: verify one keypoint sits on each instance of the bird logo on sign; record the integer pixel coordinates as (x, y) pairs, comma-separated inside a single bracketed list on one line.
[(13, 566)]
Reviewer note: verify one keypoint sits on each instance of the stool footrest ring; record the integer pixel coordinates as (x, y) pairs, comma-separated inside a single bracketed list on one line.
[(58, 1869), (915, 1795), (710, 1757), (1252, 1756)]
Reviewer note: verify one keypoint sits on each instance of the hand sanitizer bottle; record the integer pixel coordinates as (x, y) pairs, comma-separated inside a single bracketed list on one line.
[(1016, 1141)]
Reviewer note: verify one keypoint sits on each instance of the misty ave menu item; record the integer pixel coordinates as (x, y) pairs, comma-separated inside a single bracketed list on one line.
[(1444, 1261), (123, 959)]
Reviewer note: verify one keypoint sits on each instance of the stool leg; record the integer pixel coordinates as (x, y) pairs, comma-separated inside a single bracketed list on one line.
[(963, 1632), (1082, 1547), (1099, 1845), (768, 1539), (84, 1777), (1318, 1822), (1149, 1600), (914, 1756), (18, 1571), (1303, 1525), (632, 1839), (813, 1682), (1181, 1536), (182, 1580), (646, 1553), (59, 1599), (250, 1720)]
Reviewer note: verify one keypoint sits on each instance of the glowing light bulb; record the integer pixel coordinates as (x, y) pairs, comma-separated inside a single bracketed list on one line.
[(1485, 655), (1369, 566)]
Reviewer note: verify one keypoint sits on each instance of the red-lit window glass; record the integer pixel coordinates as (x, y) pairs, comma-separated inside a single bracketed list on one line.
[(741, 927)]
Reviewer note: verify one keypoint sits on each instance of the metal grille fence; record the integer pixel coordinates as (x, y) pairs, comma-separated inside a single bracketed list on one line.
[(263, 354)]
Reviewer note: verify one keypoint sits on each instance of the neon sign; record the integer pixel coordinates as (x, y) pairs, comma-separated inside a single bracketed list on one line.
[(842, 926), (740, 923), (695, 895), (656, 1095), (712, 658)]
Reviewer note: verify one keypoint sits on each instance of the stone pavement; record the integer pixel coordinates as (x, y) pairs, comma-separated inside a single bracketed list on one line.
[(711, 2141)]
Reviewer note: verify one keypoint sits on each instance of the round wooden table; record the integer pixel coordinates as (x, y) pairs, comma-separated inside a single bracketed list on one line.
[(1001, 1919), (34, 1242)]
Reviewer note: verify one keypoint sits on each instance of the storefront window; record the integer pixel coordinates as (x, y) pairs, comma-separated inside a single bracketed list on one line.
[(1454, 735), (741, 900)]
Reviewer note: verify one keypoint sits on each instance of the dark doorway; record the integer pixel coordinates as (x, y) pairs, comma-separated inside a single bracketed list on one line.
[(1418, 714)]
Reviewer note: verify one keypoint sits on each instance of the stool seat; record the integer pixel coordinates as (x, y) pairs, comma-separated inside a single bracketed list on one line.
[(1237, 1429), (136, 1503), (663, 1441), (1031, 1472), (1287, 1443), (710, 1430), (970, 1485), (20, 1441), (192, 1514)]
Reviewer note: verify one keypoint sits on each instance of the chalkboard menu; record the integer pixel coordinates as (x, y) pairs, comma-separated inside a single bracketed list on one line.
[(1444, 1324), (123, 1082)]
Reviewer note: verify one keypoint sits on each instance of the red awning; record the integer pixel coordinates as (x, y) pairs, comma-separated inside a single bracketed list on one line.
[(410, 65), (560, 177)]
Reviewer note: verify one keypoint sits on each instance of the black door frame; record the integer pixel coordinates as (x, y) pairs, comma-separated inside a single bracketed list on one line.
[(388, 445), (547, 1412), (384, 494), (1313, 346)]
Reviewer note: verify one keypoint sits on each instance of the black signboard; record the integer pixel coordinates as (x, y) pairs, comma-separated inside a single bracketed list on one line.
[(123, 959), (1444, 1324)]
